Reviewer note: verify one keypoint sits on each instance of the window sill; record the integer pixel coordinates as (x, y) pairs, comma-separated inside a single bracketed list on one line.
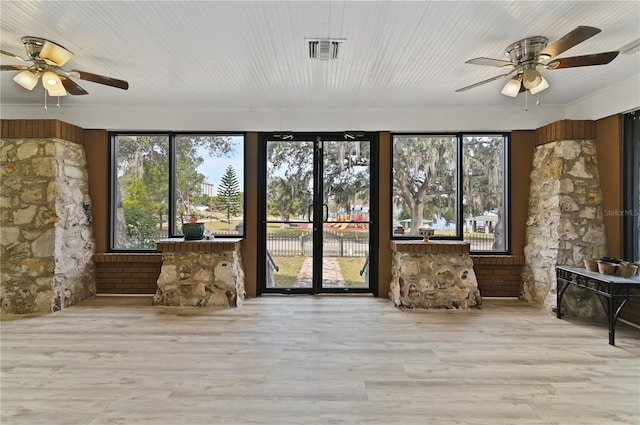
[(431, 247), (204, 245)]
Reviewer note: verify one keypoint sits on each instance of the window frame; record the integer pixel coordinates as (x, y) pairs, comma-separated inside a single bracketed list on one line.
[(631, 182), (171, 184), (506, 157)]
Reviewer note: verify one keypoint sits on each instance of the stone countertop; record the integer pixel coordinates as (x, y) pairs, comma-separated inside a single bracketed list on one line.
[(431, 247), (203, 245)]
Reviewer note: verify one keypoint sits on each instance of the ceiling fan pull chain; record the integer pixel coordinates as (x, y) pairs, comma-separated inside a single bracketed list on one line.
[(45, 99), (526, 101), (58, 105)]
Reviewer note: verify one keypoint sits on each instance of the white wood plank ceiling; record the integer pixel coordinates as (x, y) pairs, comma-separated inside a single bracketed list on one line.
[(253, 55)]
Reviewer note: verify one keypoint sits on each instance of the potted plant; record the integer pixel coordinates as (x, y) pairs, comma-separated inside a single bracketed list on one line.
[(627, 269), (426, 233), (193, 230)]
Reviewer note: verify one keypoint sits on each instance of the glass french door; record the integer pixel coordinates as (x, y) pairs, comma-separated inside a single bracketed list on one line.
[(316, 228)]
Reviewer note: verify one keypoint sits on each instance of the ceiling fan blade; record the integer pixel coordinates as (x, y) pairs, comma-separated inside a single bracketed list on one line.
[(13, 67), (484, 82), (71, 87), (16, 57), (586, 60), (569, 40), (491, 62), (108, 81)]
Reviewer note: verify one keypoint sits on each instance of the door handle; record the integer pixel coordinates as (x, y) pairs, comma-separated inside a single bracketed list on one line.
[(309, 213), (326, 212)]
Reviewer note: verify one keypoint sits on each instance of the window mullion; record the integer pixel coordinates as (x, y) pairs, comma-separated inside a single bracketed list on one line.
[(171, 219), (459, 188)]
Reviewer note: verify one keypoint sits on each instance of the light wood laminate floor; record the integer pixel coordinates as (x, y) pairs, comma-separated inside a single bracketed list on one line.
[(315, 360)]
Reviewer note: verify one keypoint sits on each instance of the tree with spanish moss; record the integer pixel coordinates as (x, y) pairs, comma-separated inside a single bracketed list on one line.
[(424, 178), (143, 177)]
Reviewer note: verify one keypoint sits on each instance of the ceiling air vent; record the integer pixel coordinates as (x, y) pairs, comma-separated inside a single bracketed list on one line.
[(324, 49)]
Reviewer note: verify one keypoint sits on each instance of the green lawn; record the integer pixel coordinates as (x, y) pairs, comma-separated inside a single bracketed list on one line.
[(289, 267), (287, 231), (219, 226), (351, 267)]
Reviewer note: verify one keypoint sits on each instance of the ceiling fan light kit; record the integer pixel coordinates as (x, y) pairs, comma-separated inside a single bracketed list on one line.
[(54, 54), (47, 59), (528, 56), (26, 79), (542, 86), (53, 84), (51, 80), (531, 78), (512, 88), (57, 92)]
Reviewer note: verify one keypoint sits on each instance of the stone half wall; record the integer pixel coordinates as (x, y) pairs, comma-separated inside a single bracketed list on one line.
[(200, 274), (565, 223), (433, 275), (47, 240)]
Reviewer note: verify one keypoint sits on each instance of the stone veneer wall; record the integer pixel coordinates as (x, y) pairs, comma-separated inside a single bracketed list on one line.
[(433, 275), (565, 223), (200, 274), (47, 240)]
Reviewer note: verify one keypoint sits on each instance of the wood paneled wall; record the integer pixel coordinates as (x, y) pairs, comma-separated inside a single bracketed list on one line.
[(609, 151), (520, 164), (566, 130), (96, 148), (41, 129)]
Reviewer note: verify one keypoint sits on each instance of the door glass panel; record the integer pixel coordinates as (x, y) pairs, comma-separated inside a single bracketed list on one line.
[(289, 214), (345, 221)]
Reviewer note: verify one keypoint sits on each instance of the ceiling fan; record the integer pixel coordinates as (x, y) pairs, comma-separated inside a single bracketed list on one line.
[(529, 55), (47, 59)]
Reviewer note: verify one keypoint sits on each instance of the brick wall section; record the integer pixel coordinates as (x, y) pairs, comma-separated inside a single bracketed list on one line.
[(432, 247), (498, 275), (215, 245), (137, 273), (129, 273)]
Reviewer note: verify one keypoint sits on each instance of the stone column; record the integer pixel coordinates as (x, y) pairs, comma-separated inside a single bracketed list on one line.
[(47, 240), (565, 223)]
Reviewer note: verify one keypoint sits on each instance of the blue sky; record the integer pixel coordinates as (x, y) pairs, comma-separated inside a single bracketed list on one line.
[(213, 167)]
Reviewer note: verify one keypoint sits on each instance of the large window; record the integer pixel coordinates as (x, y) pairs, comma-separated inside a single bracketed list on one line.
[(454, 184), (424, 184), (160, 181), (483, 187)]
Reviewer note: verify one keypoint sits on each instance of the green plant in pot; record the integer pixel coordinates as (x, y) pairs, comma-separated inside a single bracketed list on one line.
[(627, 269), (193, 230)]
